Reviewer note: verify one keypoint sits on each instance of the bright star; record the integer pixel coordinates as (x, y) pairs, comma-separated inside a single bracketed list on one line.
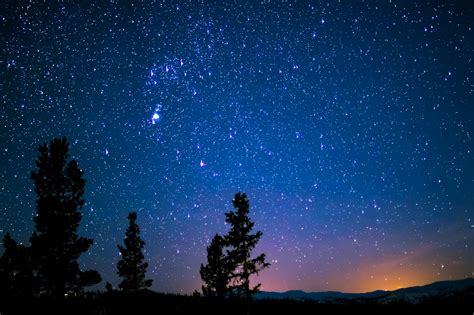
[(155, 118)]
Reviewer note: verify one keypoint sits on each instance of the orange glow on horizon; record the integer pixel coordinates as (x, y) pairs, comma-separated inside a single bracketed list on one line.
[(391, 274)]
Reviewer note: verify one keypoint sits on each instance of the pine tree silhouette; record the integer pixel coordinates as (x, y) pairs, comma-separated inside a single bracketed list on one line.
[(241, 243), (216, 274), (108, 287), (16, 272), (131, 266), (55, 244)]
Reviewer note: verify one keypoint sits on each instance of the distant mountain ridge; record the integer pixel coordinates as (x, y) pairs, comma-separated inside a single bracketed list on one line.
[(410, 294)]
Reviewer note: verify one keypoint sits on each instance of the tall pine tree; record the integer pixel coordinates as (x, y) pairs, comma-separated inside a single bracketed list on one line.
[(216, 274), (55, 244), (132, 267), (241, 244)]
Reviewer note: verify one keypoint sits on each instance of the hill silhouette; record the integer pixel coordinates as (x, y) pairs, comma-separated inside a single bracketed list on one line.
[(432, 298), (412, 295)]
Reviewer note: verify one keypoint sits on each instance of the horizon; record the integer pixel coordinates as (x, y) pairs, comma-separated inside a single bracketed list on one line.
[(348, 125), (336, 291), (365, 292)]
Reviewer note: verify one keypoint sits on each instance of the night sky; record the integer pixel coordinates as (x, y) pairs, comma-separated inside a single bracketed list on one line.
[(349, 125)]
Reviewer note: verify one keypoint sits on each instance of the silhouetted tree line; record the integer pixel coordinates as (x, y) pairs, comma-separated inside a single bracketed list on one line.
[(49, 266)]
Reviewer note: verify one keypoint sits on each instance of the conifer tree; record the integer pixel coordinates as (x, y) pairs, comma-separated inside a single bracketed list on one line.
[(132, 267), (55, 244), (241, 243), (216, 274), (16, 270)]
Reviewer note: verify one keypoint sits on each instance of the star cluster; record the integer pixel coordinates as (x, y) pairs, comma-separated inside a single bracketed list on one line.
[(347, 123)]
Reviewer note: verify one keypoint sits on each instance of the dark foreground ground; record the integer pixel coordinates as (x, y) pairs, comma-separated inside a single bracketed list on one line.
[(154, 303)]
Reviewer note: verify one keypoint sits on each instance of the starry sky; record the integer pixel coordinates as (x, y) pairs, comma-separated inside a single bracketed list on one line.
[(347, 123)]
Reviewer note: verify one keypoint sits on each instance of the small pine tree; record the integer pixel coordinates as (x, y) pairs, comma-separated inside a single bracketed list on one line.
[(108, 287), (131, 266), (16, 271), (241, 243), (216, 273), (55, 244)]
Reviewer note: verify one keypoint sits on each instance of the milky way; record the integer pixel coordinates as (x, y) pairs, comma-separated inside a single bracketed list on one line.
[(348, 124)]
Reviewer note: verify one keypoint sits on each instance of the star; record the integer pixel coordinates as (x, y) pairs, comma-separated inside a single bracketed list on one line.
[(155, 118)]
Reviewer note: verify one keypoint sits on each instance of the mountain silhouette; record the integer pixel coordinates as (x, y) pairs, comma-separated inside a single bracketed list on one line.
[(412, 295)]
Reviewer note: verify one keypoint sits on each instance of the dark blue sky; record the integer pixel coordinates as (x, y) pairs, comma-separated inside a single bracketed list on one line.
[(348, 124)]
